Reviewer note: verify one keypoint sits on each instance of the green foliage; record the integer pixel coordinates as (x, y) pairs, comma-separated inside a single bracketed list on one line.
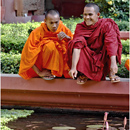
[(10, 44), (10, 63), (11, 115), (30, 29), (122, 71), (123, 25), (115, 9), (14, 36), (71, 23), (18, 30), (125, 44)]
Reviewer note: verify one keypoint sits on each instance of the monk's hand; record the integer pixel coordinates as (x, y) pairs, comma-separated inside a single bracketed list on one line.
[(62, 35), (113, 69), (113, 66), (73, 73)]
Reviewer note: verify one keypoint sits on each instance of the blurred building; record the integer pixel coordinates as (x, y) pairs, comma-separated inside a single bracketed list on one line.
[(13, 11)]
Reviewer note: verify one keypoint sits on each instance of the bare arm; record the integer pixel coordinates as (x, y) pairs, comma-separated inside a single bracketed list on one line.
[(113, 66), (75, 58)]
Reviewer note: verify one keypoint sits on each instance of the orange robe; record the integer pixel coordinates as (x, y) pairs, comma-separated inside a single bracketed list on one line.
[(46, 51), (127, 64)]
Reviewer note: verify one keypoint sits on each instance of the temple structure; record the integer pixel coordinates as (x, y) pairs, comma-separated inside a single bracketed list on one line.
[(13, 11)]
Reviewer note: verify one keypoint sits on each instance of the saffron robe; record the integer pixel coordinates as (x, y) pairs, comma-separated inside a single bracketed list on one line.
[(127, 64), (46, 51), (98, 43)]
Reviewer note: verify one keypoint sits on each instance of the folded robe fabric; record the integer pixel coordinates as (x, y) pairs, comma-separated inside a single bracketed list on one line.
[(46, 51), (97, 43), (127, 64)]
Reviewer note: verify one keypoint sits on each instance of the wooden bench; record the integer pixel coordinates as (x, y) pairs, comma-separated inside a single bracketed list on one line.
[(65, 94)]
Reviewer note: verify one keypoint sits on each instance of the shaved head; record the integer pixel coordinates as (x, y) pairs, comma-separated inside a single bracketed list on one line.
[(95, 6), (51, 12), (52, 19)]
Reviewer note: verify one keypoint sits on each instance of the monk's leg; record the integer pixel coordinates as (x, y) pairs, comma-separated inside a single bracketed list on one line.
[(52, 59), (38, 64), (48, 60)]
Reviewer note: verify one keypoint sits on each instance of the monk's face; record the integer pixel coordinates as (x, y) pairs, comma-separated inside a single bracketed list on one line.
[(52, 22), (90, 16)]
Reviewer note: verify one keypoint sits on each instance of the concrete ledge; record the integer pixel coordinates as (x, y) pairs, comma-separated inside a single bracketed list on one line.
[(65, 94)]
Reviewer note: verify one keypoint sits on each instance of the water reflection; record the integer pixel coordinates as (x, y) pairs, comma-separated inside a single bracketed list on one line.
[(68, 121)]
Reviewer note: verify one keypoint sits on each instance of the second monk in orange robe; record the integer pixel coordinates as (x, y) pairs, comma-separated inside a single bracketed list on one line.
[(44, 52)]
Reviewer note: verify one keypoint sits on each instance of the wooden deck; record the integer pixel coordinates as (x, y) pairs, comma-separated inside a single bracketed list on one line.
[(65, 94)]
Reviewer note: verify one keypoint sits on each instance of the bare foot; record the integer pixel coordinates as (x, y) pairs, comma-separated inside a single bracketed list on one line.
[(46, 75)]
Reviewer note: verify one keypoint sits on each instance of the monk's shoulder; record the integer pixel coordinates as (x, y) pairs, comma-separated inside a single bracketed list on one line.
[(79, 27), (109, 26), (108, 23), (37, 32)]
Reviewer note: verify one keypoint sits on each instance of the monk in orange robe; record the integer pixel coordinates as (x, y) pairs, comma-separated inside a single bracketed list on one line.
[(44, 52), (95, 49)]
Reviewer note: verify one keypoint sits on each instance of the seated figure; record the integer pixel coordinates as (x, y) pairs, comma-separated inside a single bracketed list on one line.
[(44, 52), (95, 49)]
